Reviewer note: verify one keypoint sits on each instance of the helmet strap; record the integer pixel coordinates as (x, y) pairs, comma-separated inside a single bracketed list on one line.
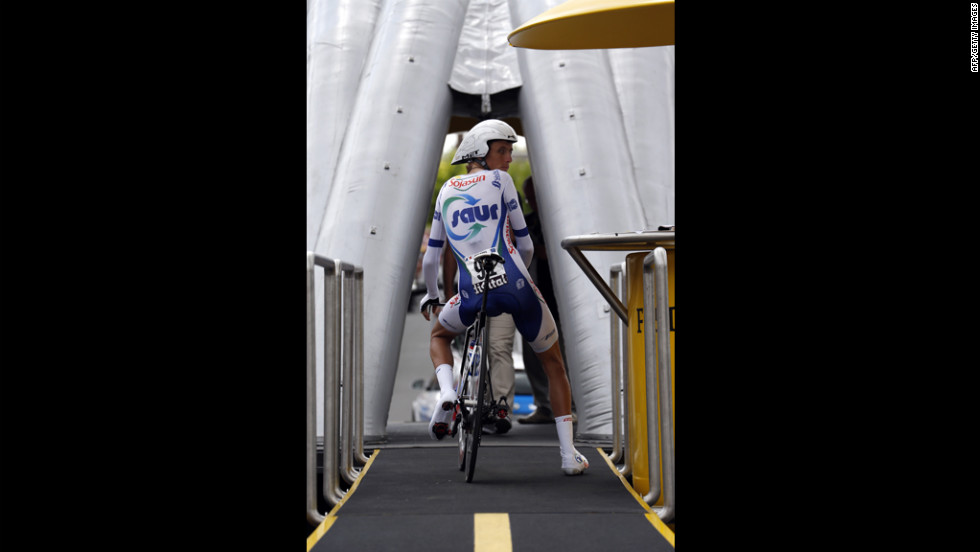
[(477, 161)]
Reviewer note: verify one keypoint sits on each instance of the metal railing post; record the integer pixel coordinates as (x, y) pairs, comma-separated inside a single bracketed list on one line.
[(342, 386), (313, 514), (343, 367), (347, 470), (331, 383), (614, 362), (627, 467), (660, 447), (359, 456)]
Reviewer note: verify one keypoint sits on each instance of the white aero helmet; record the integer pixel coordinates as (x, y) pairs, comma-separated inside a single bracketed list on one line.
[(475, 145)]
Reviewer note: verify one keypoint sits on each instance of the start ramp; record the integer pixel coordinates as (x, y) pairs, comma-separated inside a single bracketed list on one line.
[(411, 496)]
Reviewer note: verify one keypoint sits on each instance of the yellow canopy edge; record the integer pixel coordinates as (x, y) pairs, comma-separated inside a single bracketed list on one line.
[(591, 24)]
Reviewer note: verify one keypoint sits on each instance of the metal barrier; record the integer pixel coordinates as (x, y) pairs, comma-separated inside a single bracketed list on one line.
[(655, 295), (660, 447), (617, 345), (343, 375)]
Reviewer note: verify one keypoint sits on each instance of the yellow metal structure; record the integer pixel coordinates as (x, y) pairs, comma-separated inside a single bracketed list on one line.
[(591, 24)]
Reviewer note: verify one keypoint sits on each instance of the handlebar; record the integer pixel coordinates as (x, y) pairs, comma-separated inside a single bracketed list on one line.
[(428, 305)]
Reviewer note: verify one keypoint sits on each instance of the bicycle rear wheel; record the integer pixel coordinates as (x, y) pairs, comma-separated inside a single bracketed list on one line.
[(479, 410)]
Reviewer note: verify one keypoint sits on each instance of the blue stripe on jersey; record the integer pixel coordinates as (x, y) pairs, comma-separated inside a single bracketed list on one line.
[(521, 233), (500, 226), (501, 249), (438, 243)]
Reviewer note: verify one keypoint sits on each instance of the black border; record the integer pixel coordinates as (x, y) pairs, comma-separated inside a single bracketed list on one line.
[(124, 131), (154, 207)]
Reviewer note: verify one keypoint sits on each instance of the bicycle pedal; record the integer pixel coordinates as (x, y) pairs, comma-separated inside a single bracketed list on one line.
[(502, 410)]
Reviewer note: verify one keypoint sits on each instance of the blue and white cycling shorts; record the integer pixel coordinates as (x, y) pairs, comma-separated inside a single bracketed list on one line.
[(518, 297)]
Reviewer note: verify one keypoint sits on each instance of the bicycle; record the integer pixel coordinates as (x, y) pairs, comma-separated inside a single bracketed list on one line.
[(475, 403)]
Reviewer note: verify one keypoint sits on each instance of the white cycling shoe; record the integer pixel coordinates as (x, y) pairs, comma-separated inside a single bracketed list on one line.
[(442, 416), (575, 464)]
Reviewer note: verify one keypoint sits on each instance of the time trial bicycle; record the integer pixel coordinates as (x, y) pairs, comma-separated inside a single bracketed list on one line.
[(475, 403)]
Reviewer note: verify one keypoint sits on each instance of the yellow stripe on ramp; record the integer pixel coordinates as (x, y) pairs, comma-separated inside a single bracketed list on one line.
[(491, 533), (331, 517), (651, 516)]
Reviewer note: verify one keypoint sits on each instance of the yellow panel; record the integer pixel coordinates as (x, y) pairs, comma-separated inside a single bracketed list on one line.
[(589, 24), (636, 400)]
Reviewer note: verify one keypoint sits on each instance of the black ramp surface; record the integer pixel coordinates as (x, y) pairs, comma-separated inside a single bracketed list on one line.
[(404, 533), (584, 532), (417, 499), (508, 479)]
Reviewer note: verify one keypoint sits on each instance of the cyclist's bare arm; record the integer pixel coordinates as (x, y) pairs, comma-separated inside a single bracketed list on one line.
[(430, 261)]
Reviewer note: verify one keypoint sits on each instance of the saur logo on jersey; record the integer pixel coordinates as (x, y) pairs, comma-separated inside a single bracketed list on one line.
[(468, 213)]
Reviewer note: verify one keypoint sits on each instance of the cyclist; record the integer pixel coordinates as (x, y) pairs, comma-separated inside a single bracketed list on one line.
[(474, 213)]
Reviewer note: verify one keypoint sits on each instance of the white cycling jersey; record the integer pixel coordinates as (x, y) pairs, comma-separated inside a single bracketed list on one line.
[(474, 213)]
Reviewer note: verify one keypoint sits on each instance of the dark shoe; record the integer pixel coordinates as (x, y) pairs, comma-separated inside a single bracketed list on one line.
[(536, 417), (498, 418)]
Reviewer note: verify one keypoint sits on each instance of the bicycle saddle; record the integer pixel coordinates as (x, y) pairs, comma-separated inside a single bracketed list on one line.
[(488, 260)]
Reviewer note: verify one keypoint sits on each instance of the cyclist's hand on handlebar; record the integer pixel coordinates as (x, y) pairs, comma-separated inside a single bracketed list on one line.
[(430, 304)]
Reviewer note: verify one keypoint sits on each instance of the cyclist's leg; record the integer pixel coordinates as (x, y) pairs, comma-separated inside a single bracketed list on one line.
[(447, 326), (559, 389), (539, 387), (538, 327), (440, 345), (546, 345), (442, 359), (440, 342)]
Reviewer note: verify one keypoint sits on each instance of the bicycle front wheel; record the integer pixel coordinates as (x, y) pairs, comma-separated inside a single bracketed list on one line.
[(461, 423)]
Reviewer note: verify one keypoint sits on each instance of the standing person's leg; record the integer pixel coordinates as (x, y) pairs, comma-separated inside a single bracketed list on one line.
[(502, 331)]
